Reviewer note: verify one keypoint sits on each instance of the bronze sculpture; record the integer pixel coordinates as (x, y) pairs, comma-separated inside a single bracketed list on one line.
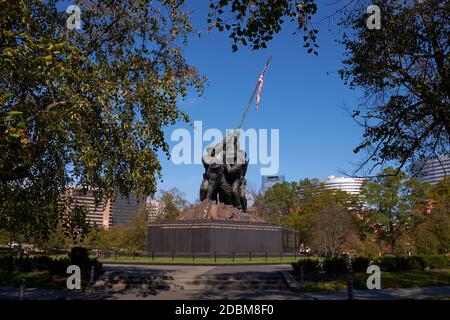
[(226, 164), (225, 168)]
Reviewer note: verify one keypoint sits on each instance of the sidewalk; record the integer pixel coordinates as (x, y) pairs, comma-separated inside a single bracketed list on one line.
[(383, 294), (50, 294), (183, 276)]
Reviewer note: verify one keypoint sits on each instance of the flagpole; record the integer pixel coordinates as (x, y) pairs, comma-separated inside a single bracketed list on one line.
[(253, 94)]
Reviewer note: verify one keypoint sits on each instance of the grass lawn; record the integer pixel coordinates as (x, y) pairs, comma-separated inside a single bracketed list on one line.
[(190, 260), (37, 279), (388, 280)]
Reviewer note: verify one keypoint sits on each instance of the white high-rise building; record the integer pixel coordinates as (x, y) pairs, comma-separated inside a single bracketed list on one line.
[(350, 185), (434, 169), (155, 208)]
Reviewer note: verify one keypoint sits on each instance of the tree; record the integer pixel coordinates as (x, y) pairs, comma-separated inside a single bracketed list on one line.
[(391, 200), (57, 240), (136, 231), (332, 228), (4, 237), (293, 204), (86, 107), (115, 238), (439, 195), (173, 203), (254, 23), (403, 70), (281, 198), (432, 231)]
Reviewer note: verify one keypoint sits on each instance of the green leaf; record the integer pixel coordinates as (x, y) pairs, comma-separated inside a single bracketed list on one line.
[(15, 113), (21, 125), (14, 135)]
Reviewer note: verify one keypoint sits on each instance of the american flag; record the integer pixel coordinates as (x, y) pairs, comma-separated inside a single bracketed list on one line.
[(261, 82), (258, 96)]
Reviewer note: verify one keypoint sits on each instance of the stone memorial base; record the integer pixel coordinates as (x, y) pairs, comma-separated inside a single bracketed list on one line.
[(220, 230)]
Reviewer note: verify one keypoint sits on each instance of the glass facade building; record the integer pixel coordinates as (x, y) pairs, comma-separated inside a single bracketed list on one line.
[(269, 181), (434, 170)]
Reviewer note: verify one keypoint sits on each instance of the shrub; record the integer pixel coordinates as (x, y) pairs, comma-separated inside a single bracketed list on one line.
[(7, 263), (415, 263), (391, 264), (80, 256), (40, 263), (310, 266), (436, 261), (23, 264), (58, 266), (360, 264), (394, 264), (337, 265)]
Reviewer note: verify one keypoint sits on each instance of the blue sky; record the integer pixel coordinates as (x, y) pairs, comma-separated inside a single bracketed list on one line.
[(302, 96)]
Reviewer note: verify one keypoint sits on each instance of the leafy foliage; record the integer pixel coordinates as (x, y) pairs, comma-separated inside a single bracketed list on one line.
[(52, 266), (403, 70), (431, 232), (281, 198), (336, 265), (391, 201), (332, 228), (136, 231), (79, 256), (173, 203), (297, 204), (309, 266), (85, 107), (341, 265), (254, 23)]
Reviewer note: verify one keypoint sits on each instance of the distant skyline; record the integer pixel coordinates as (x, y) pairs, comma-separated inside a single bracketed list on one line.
[(303, 97)]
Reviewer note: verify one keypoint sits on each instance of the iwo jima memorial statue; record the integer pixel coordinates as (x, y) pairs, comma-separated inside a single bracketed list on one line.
[(221, 225)]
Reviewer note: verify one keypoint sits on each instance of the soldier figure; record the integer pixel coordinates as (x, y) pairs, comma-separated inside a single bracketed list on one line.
[(213, 162), (235, 176), (206, 160), (243, 183), (225, 168)]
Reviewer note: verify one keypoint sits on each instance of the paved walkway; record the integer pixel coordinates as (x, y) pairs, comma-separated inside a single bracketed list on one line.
[(185, 274), (385, 294)]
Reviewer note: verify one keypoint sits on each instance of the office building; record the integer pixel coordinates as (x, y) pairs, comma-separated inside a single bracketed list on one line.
[(269, 181), (350, 185), (122, 209), (434, 170), (155, 209), (106, 213)]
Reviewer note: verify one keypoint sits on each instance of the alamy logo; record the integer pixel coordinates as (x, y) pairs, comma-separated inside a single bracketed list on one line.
[(374, 20), (74, 280), (374, 280), (251, 142), (74, 20)]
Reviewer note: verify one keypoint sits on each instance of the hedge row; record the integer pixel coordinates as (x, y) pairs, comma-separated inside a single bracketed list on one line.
[(341, 265), (78, 256)]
